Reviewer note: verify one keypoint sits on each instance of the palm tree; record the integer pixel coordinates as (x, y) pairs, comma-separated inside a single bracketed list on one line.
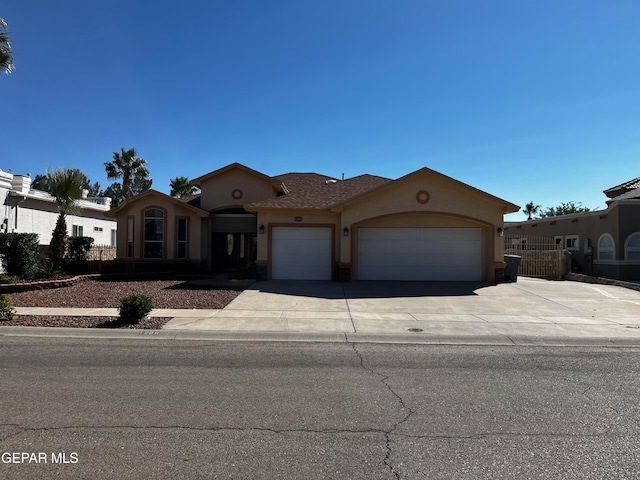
[(180, 187), (6, 58), (531, 209), (128, 166), (65, 185)]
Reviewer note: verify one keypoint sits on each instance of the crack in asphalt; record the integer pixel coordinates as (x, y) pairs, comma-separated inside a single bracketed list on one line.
[(389, 432), (584, 393), (275, 431)]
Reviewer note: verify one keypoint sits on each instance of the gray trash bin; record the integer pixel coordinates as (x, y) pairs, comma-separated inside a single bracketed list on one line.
[(513, 264)]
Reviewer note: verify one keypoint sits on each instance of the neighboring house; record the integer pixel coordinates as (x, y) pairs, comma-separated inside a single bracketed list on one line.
[(603, 243), (34, 211), (423, 226)]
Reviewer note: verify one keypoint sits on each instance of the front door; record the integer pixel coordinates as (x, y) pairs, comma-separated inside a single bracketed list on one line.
[(233, 251)]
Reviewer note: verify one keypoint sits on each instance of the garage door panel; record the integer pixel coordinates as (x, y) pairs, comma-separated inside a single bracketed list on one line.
[(420, 254), (301, 253)]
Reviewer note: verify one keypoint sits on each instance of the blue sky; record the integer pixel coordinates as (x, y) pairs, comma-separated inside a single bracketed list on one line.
[(528, 100)]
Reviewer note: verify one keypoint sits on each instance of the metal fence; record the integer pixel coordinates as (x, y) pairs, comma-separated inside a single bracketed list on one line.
[(102, 252), (541, 257)]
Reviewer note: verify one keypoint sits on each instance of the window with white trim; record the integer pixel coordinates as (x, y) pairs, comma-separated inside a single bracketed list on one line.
[(153, 233), (632, 247), (77, 231), (606, 247)]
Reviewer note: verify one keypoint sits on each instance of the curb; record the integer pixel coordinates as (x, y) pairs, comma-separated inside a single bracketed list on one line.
[(579, 277), (302, 337)]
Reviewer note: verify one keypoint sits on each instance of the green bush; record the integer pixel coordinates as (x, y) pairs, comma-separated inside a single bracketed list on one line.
[(4, 278), (79, 248), (51, 269), (78, 254), (134, 308), (19, 254), (6, 310)]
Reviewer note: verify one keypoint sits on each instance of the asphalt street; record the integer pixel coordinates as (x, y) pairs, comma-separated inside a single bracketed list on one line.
[(155, 408)]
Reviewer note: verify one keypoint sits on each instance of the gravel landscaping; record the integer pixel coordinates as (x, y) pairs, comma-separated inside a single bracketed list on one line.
[(107, 293), (153, 323)]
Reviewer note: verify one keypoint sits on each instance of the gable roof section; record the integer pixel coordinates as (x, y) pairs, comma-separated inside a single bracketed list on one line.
[(163, 197), (315, 191), (274, 182), (508, 207), (625, 187)]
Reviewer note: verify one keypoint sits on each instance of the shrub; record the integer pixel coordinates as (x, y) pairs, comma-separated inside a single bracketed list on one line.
[(6, 310), (19, 254), (78, 254), (51, 269), (134, 308), (79, 248), (4, 278)]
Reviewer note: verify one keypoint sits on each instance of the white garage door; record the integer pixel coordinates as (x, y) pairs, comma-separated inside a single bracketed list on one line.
[(301, 253), (420, 254)]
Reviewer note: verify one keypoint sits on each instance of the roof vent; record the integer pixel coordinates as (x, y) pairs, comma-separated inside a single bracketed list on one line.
[(330, 181)]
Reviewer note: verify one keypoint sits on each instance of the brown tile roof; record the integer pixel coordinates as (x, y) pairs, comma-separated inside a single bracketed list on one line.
[(193, 200), (622, 188), (312, 190), (629, 195)]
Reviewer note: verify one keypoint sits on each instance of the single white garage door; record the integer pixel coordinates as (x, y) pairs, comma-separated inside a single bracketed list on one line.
[(420, 254), (301, 253)]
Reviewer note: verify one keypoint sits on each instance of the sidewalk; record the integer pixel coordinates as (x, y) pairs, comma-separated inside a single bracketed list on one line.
[(529, 312)]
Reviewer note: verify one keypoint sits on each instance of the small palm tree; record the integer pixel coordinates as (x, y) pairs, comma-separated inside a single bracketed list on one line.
[(6, 58), (180, 187), (530, 209), (65, 185), (128, 166)]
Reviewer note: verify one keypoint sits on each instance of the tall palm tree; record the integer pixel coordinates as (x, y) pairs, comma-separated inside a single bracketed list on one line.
[(65, 185), (180, 187), (6, 58), (127, 166), (530, 209)]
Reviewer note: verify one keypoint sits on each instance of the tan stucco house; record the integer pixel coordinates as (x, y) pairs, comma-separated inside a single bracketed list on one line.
[(603, 243), (307, 226)]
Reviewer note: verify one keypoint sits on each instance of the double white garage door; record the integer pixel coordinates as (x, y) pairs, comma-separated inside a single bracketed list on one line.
[(383, 253), (420, 254)]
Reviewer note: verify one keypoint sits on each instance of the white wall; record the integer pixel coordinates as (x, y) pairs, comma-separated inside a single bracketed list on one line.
[(32, 211)]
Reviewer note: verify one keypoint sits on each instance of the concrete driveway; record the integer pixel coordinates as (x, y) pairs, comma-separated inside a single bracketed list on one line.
[(530, 308)]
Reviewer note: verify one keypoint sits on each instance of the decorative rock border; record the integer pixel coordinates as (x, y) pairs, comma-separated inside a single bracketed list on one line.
[(43, 284)]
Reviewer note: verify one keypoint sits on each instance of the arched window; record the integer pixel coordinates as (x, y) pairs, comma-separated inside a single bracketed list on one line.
[(606, 247), (153, 233), (632, 247)]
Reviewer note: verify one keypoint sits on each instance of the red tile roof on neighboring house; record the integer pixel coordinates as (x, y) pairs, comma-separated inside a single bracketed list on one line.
[(312, 190), (625, 187)]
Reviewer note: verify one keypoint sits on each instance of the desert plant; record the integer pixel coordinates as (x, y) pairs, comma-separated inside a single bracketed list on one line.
[(6, 310), (134, 308), (51, 269), (19, 254), (4, 278)]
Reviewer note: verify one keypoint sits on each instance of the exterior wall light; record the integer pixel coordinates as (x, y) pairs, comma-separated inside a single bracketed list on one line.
[(500, 231), (261, 229), (345, 231)]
